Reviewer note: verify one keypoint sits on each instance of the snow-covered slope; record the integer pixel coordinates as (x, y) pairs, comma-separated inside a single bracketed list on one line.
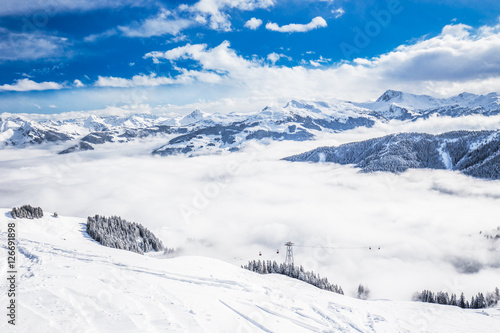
[(475, 153), (69, 283)]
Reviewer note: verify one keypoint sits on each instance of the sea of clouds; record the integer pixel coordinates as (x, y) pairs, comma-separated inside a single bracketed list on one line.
[(427, 223)]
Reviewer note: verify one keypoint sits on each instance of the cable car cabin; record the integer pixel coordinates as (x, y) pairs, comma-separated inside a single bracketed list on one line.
[(260, 254), (278, 251)]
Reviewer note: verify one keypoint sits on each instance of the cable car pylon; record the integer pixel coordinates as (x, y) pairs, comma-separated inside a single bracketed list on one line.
[(289, 253)]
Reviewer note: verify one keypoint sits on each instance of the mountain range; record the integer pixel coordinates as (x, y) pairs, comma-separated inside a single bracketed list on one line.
[(202, 133)]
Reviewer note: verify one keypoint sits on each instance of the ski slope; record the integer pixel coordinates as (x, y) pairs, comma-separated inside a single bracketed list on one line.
[(70, 283)]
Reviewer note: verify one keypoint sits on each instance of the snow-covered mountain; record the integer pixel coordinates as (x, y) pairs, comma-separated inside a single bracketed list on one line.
[(475, 153), (203, 133), (400, 105), (67, 282), (297, 121)]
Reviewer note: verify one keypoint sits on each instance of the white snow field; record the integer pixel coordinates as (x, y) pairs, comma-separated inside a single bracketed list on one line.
[(69, 283)]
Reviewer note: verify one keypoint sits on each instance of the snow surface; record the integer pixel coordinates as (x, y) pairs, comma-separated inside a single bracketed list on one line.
[(70, 283)]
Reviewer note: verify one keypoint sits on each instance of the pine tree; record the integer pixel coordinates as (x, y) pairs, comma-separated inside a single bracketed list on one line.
[(480, 302), (442, 298), (453, 300), (473, 303), (461, 302), (363, 292)]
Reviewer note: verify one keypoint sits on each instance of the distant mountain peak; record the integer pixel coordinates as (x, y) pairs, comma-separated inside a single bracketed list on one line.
[(194, 117), (390, 95), (197, 113), (466, 94)]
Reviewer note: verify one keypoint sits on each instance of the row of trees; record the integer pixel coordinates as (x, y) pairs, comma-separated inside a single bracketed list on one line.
[(478, 302), (26, 212), (117, 233), (272, 267)]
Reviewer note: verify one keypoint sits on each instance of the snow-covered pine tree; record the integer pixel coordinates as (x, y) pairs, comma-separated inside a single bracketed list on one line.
[(442, 298), (363, 292), (117, 233), (480, 301), (26, 212), (461, 302), (263, 267), (473, 303), (453, 300)]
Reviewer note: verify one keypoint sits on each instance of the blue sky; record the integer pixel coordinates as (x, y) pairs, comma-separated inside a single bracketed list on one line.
[(62, 55)]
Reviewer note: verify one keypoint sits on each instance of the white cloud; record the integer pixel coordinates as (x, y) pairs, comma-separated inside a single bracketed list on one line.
[(29, 46), (211, 13), (94, 37), (315, 63), (29, 85), (337, 13), (165, 23), (77, 83), (178, 39), (135, 81), (319, 62), (220, 59), (215, 10), (457, 54), (253, 23), (273, 57), (317, 22)]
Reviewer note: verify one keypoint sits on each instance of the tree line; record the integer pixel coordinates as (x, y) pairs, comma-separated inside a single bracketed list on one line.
[(118, 233), (272, 267), (479, 301)]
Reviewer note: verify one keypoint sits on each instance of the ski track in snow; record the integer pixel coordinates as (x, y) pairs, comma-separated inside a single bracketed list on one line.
[(253, 322)]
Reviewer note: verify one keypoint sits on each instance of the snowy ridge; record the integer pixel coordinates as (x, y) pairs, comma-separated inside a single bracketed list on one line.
[(71, 283), (474, 153), (202, 133), (400, 105)]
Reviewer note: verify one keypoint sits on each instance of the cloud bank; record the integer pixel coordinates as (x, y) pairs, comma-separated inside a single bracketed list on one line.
[(261, 202), (440, 66)]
